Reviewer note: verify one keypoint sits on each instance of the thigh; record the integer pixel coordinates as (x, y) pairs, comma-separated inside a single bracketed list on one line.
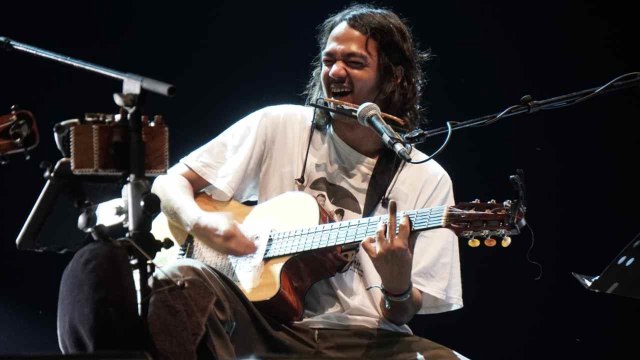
[(194, 307)]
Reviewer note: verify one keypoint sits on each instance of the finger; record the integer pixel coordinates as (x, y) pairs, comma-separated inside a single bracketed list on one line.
[(391, 227), (239, 247), (249, 247), (404, 230), (238, 243), (368, 244), (381, 233)]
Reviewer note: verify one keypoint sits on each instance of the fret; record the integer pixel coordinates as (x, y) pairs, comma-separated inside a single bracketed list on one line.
[(372, 226), (342, 235), (317, 237), (332, 240)]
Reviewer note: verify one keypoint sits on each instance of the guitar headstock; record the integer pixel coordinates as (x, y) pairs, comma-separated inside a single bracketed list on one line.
[(18, 133), (486, 222)]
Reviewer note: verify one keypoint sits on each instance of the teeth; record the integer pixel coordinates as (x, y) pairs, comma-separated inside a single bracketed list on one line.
[(339, 89), (340, 94)]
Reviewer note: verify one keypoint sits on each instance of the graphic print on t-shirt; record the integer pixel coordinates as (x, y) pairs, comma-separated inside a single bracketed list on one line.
[(333, 201), (338, 214), (338, 196)]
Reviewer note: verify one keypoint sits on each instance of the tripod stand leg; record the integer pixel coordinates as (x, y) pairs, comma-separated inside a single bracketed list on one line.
[(141, 273)]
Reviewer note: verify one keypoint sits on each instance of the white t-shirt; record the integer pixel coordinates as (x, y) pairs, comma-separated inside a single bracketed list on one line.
[(260, 156)]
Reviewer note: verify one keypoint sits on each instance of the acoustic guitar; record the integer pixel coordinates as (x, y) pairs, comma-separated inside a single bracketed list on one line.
[(294, 251)]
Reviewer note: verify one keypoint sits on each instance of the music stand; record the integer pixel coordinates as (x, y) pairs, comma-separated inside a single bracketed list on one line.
[(621, 276), (52, 224)]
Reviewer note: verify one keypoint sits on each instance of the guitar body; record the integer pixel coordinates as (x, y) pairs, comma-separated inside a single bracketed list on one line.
[(278, 286)]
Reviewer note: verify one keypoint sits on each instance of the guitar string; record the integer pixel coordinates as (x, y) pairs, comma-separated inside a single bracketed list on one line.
[(417, 220), (293, 241)]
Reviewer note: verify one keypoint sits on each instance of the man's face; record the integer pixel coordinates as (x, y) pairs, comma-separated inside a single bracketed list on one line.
[(350, 66)]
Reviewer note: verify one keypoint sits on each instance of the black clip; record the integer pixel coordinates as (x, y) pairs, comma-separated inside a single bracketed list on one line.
[(528, 101), (518, 184)]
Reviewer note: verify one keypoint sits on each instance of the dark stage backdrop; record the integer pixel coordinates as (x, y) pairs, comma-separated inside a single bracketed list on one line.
[(230, 58)]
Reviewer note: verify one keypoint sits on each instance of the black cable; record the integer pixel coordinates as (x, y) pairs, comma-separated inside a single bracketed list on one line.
[(528, 105), (444, 144)]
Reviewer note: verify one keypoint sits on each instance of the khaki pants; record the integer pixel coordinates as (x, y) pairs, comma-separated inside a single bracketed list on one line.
[(207, 316)]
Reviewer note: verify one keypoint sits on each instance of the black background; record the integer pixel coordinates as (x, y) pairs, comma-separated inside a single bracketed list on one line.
[(229, 58)]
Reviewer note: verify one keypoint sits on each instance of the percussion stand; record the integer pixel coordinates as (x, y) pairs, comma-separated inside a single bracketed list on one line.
[(140, 205)]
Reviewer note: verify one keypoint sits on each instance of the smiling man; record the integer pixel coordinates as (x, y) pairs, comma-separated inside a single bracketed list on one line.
[(361, 307), (366, 55)]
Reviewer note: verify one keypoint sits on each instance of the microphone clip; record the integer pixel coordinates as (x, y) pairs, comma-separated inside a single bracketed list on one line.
[(369, 115)]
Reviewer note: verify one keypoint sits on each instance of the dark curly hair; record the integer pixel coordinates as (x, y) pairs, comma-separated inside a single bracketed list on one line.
[(398, 56)]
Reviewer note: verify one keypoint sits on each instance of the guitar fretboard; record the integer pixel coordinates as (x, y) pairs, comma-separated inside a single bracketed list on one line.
[(345, 232)]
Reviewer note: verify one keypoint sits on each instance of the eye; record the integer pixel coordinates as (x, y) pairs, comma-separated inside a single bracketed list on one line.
[(356, 64), (328, 62)]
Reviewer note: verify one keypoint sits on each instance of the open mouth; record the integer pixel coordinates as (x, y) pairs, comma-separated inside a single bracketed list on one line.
[(340, 92)]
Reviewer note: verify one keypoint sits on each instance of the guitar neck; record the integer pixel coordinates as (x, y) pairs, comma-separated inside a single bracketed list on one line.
[(345, 232)]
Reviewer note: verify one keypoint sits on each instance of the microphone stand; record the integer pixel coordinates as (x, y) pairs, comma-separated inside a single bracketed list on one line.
[(152, 85), (527, 106), (141, 205)]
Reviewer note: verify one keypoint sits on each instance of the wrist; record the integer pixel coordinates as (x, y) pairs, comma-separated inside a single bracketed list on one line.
[(192, 220), (396, 292), (396, 297)]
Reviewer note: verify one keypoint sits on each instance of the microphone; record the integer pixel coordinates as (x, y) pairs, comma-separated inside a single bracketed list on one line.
[(369, 114)]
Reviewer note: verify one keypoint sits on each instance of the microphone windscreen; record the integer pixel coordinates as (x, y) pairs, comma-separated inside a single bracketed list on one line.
[(365, 111)]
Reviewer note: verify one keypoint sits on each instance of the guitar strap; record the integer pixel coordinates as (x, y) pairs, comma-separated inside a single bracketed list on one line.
[(383, 172)]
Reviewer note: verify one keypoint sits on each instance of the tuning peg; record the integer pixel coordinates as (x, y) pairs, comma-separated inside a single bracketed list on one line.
[(506, 241), (474, 242), (490, 242)]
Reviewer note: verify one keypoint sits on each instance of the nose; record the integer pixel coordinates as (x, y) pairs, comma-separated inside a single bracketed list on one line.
[(338, 70)]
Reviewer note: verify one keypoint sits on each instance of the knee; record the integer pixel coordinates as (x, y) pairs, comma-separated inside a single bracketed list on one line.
[(187, 274), (184, 287), (98, 270), (181, 270)]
